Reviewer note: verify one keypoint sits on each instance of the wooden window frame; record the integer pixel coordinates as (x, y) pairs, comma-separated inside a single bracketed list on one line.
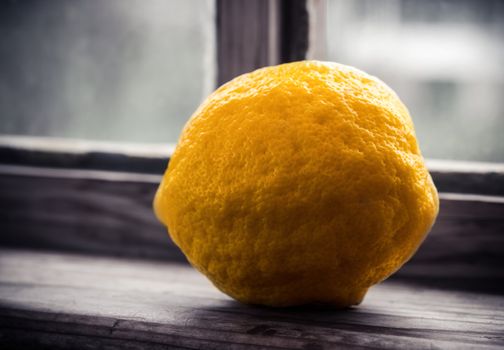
[(254, 34), (96, 199)]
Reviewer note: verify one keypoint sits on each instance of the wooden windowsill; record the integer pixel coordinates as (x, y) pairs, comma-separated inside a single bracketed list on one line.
[(78, 301)]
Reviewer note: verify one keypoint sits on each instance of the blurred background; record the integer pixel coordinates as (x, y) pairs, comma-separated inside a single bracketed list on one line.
[(114, 70), (444, 58), (134, 71)]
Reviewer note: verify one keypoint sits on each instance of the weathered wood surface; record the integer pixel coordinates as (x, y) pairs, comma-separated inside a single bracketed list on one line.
[(259, 33), (449, 176), (465, 249), (294, 23), (80, 302), (468, 177), (101, 213), (109, 213), (243, 28), (78, 154)]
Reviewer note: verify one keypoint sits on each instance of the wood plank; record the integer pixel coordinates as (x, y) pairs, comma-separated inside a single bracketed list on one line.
[(110, 213), (467, 177), (60, 300), (465, 247), (243, 29), (449, 176), (294, 23), (79, 154), (255, 34), (103, 213)]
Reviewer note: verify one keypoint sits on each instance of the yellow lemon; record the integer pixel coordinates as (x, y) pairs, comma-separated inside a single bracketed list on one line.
[(299, 183)]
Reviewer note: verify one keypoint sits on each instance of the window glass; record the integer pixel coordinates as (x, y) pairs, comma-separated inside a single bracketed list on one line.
[(115, 70), (444, 58)]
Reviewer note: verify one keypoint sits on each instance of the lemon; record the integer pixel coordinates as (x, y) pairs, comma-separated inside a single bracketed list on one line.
[(299, 183)]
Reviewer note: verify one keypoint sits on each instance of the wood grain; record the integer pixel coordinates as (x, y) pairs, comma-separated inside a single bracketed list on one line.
[(468, 177), (101, 213), (80, 302), (28, 151), (465, 249), (255, 34), (293, 30), (243, 28), (110, 213)]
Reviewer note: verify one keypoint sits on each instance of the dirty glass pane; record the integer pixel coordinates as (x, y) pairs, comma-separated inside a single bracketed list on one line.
[(445, 59), (115, 70)]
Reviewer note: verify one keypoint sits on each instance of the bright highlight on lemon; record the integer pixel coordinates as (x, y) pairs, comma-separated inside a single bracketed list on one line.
[(296, 184)]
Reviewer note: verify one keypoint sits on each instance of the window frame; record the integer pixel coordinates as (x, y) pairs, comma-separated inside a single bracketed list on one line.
[(119, 181), (254, 34)]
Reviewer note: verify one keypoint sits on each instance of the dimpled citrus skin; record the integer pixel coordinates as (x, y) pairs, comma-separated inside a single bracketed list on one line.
[(299, 183)]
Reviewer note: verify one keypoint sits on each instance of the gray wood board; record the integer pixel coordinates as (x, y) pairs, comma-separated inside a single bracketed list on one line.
[(59, 209), (243, 28), (76, 301)]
